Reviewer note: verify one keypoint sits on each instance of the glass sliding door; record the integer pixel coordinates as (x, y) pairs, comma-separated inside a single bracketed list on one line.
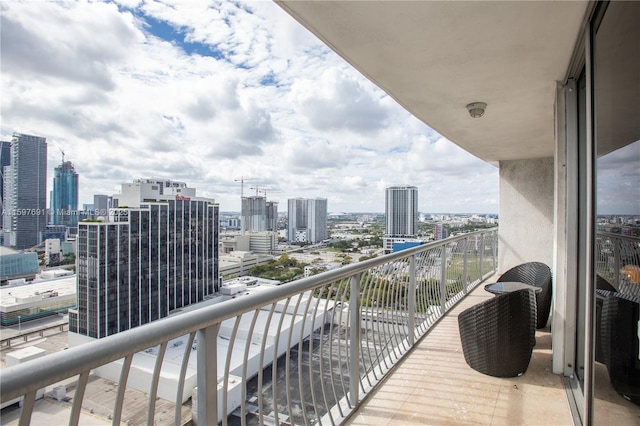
[(616, 101)]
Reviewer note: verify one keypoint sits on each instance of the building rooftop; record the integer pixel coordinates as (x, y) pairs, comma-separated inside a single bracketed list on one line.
[(12, 297)]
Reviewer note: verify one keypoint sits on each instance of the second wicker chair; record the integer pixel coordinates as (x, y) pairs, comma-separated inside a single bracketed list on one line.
[(537, 274)]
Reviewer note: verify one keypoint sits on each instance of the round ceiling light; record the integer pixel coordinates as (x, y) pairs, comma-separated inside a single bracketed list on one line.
[(476, 109)]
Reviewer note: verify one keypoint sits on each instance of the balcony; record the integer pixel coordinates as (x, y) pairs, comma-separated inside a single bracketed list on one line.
[(402, 318)]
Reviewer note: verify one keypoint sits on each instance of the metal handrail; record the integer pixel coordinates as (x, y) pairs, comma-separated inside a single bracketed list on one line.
[(379, 332)]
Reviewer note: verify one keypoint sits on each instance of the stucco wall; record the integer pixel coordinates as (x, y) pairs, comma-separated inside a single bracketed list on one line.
[(526, 212)]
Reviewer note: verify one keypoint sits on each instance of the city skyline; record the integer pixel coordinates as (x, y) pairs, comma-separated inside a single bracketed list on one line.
[(209, 95)]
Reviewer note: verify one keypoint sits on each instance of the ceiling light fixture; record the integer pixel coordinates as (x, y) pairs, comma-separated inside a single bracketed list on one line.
[(476, 109)]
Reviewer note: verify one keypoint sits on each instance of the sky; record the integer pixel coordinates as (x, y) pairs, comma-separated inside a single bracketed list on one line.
[(209, 93)]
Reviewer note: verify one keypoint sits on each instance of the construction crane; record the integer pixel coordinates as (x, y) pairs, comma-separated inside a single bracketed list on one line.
[(242, 179), (263, 190), (62, 152)]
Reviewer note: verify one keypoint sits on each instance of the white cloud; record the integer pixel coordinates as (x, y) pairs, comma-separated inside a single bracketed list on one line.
[(251, 93)]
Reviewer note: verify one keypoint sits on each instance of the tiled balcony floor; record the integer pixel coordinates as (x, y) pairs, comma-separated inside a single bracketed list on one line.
[(434, 385)]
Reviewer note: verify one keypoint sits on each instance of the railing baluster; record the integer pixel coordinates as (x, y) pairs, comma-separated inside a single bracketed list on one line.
[(28, 402), (354, 338), (227, 368), (344, 290), (181, 379), (207, 354), (321, 351), (465, 272), (481, 255), (122, 387), (411, 295), (443, 279), (288, 363), (247, 347), (274, 372), (78, 397), (265, 338), (154, 383)]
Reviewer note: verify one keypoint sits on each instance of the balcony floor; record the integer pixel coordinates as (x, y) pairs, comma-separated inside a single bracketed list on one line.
[(434, 385)]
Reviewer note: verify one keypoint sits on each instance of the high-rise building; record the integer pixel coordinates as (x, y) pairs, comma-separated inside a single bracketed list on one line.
[(101, 205), (307, 219), (156, 255), (272, 216), (5, 160), (25, 191), (254, 214), (440, 232), (64, 197), (401, 209)]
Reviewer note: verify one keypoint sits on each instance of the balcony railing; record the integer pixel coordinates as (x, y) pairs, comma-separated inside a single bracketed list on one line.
[(304, 352), (618, 259)]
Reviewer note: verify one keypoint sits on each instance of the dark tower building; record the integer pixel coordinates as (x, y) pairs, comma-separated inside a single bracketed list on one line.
[(25, 191)]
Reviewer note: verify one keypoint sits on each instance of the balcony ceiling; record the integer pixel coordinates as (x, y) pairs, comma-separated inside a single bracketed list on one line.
[(436, 57)]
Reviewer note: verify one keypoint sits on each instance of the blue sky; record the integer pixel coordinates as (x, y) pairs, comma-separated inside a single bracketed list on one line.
[(207, 92)]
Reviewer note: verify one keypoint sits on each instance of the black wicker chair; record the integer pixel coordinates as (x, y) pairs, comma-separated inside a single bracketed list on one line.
[(537, 274), (620, 344), (498, 334)]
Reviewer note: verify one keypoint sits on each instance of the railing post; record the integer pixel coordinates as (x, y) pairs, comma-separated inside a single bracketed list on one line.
[(481, 255), (494, 249), (207, 361), (443, 280), (354, 339), (464, 267), (412, 300)]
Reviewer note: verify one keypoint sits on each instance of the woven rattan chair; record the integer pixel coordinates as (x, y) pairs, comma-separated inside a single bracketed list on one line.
[(498, 334), (620, 343), (539, 275)]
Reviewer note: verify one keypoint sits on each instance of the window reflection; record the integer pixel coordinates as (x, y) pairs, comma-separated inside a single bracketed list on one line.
[(617, 251)]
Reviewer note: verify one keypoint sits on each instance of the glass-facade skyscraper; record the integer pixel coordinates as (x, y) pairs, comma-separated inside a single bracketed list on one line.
[(145, 260), (401, 211), (5, 160), (25, 191), (64, 200), (307, 219)]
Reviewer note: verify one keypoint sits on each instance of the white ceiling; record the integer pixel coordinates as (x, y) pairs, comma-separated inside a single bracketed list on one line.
[(436, 57)]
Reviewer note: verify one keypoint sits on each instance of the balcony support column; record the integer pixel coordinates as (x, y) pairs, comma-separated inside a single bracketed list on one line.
[(207, 361), (354, 340)]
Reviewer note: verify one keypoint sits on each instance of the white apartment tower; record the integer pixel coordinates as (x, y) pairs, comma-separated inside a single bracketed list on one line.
[(401, 211), (307, 220)]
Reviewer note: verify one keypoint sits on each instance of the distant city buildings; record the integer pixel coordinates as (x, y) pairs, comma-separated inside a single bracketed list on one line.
[(401, 217), (440, 232), (156, 252), (401, 211), (254, 213), (101, 205), (307, 220), (64, 197), (5, 160), (272, 216), (25, 191)]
